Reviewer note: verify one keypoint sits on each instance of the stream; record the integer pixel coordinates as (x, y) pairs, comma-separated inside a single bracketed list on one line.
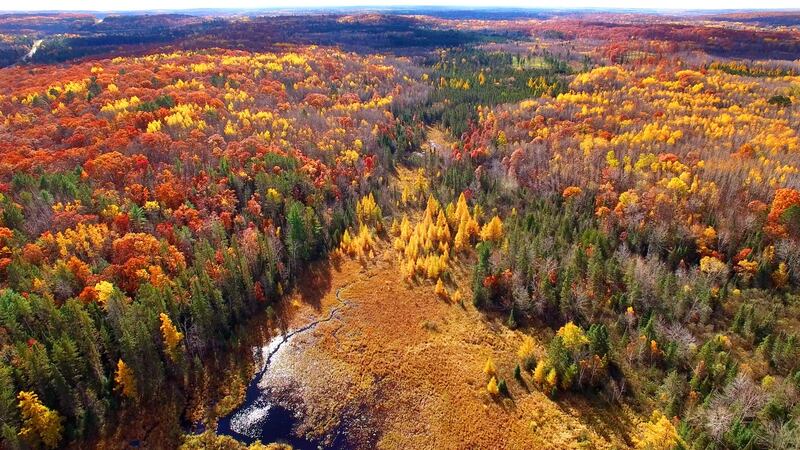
[(259, 418)]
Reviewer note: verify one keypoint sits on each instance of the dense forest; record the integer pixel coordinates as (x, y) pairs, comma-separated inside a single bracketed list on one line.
[(627, 210)]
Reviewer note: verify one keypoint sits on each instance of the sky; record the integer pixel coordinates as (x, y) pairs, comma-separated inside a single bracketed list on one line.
[(148, 5)]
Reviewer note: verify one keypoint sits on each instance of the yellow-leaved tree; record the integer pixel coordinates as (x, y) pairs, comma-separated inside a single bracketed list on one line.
[(526, 350), (657, 434), (540, 373), (172, 337), (464, 223), (126, 383), (492, 231), (492, 387), (489, 368), (40, 424), (573, 336), (552, 379), (104, 291), (440, 290), (781, 276)]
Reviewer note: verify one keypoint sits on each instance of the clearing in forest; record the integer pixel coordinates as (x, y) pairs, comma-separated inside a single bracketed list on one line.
[(399, 367)]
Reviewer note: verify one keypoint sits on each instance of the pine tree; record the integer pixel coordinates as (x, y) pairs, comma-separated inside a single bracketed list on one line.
[(296, 237), (598, 339), (502, 387), (8, 402), (141, 352), (511, 322), (479, 291)]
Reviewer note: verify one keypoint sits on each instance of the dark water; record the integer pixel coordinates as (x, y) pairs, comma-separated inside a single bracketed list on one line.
[(260, 418)]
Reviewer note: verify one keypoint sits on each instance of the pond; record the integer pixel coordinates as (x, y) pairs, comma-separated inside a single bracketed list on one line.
[(260, 417)]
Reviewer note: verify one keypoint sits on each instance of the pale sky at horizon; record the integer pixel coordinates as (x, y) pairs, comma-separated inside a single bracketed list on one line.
[(151, 5)]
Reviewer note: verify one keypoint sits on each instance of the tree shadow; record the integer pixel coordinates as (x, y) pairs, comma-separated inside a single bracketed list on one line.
[(505, 401), (314, 283), (597, 413), (524, 383)]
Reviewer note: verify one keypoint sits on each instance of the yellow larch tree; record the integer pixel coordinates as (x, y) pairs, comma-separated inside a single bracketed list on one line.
[(540, 373), (40, 424), (461, 241), (492, 387), (440, 290), (465, 224), (172, 337), (126, 383), (526, 349), (552, 378), (492, 231), (489, 368)]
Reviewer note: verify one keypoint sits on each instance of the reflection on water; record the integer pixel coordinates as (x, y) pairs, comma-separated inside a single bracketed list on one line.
[(259, 419)]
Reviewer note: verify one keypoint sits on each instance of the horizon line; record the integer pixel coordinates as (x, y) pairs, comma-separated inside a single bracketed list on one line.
[(404, 7)]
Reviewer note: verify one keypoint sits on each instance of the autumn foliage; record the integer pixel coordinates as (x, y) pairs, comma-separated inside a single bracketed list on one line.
[(153, 203)]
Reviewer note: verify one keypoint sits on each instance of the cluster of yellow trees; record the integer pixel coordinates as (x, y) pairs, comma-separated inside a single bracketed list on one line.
[(456, 83), (427, 246), (658, 433), (416, 190), (362, 243)]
